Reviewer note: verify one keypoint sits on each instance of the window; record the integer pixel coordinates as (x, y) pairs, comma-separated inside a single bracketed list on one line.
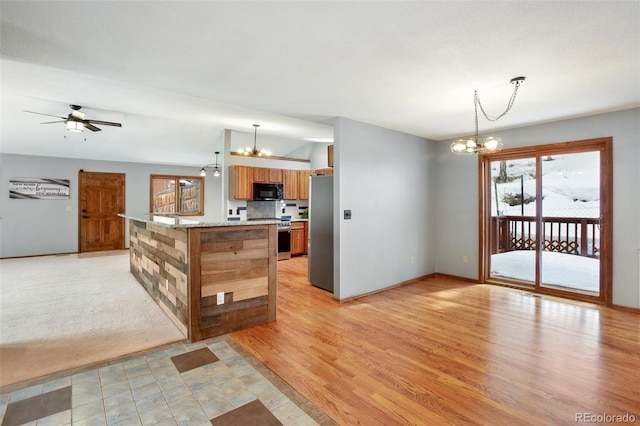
[(182, 195)]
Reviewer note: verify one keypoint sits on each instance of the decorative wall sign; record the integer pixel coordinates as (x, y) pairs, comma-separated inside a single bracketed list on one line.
[(39, 189)]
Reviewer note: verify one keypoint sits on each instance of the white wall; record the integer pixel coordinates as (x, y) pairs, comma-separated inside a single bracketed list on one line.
[(457, 206), (386, 179), (319, 155), (35, 227)]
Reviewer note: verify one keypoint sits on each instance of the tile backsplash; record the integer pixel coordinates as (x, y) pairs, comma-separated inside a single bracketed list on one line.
[(243, 210)]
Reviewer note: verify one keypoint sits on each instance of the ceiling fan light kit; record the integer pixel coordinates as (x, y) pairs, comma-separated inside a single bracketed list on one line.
[(75, 126), (484, 145)]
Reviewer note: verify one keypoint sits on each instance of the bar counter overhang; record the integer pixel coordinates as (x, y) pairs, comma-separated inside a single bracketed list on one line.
[(209, 278)]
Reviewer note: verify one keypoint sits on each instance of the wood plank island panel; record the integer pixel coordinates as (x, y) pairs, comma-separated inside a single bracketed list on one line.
[(186, 269), (158, 260), (239, 264)]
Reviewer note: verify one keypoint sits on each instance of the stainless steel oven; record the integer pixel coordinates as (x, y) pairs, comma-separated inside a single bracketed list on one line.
[(284, 240)]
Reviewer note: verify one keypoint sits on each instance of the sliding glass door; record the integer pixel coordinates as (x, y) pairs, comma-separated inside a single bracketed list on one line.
[(546, 219), (571, 221), (513, 220)]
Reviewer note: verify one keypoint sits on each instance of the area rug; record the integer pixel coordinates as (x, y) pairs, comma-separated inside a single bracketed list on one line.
[(59, 313)]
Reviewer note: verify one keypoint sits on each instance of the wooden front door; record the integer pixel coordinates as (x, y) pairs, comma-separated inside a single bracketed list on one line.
[(100, 199)]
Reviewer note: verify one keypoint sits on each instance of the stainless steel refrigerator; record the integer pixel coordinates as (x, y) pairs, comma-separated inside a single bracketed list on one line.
[(320, 250)]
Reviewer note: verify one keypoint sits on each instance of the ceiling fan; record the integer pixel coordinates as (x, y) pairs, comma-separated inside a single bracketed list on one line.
[(76, 122)]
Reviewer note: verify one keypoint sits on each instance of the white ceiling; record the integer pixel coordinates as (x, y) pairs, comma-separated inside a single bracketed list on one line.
[(176, 73)]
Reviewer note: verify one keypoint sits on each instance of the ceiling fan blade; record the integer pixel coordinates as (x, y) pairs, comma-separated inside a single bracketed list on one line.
[(91, 127), (41, 113), (104, 123), (51, 122)]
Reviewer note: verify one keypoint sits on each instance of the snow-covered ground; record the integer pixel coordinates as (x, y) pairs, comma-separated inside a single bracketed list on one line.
[(570, 185), (570, 188), (558, 269)]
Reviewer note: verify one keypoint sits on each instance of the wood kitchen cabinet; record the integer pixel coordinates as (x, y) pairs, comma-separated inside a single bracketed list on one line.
[(275, 175), (290, 184), (303, 184), (299, 238), (330, 156), (327, 171), (260, 174), (265, 174), (241, 182), (295, 182)]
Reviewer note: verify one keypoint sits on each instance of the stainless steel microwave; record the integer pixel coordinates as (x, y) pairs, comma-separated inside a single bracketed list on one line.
[(267, 191)]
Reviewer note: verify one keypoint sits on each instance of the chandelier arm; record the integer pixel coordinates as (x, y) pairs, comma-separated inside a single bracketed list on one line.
[(509, 106)]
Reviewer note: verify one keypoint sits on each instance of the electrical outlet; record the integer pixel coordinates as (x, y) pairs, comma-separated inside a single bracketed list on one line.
[(465, 259), (69, 208), (412, 260), (347, 214), (220, 298)]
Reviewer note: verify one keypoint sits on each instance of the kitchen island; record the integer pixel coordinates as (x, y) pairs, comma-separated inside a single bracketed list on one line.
[(209, 278)]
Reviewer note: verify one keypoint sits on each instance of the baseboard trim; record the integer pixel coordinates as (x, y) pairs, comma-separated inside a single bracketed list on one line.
[(411, 281), (83, 254), (626, 308), (454, 277), (39, 255)]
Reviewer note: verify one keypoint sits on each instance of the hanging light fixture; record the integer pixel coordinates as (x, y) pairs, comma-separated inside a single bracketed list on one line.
[(254, 152), (217, 168), (476, 144)]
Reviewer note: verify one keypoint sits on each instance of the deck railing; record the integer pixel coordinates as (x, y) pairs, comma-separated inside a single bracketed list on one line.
[(571, 235)]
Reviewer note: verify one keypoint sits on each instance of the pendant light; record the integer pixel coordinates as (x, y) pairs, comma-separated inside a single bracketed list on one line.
[(476, 144), (254, 152), (217, 168)]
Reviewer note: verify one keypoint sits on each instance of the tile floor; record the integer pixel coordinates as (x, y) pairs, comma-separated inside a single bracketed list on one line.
[(212, 382)]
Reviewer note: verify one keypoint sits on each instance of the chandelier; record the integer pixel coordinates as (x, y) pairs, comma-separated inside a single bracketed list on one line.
[(254, 152), (215, 167), (476, 144)]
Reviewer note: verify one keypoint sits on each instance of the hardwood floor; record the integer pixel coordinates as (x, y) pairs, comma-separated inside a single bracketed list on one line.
[(440, 351)]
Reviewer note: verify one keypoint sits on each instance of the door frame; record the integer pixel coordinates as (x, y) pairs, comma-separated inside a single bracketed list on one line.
[(605, 147)]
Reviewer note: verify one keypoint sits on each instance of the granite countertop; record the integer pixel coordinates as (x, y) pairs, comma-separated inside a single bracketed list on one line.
[(175, 221)]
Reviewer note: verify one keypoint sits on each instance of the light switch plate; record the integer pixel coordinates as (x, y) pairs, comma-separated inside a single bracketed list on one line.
[(347, 214)]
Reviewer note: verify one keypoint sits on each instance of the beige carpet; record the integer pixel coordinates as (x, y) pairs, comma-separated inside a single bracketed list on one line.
[(58, 313)]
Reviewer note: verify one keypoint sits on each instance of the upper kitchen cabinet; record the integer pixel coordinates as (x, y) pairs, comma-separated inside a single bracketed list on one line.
[(275, 175), (303, 184), (330, 155), (295, 182), (290, 184), (269, 175), (241, 182), (327, 171)]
